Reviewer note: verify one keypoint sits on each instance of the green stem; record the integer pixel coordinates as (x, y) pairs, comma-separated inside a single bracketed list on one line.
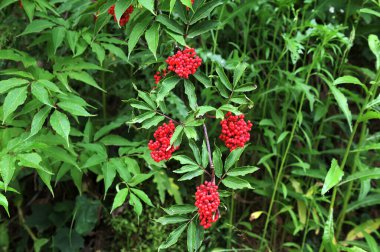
[(347, 196), (231, 221), (104, 98)]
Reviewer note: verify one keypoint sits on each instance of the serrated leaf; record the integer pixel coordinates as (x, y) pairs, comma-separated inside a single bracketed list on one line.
[(99, 51), (73, 108), (187, 168), (170, 23), (85, 78), (39, 120), (7, 169), (119, 198), (37, 26), (191, 175), (120, 8), (184, 159), (202, 27), (173, 237), (41, 94), (136, 203), (362, 175), (137, 32), (139, 178), (205, 11), (238, 73), (13, 100), (148, 4), (191, 237), (190, 92), (178, 38), (165, 88), (191, 133), (374, 45), (333, 177), (232, 158), (204, 109), (236, 183), (173, 219), (223, 78), (147, 124), (180, 209), (57, 37), (242, 171), (61, 124), (177, 132), (152, 37), (328, 234), (218, 163), (8, 84), (143, 196), (4, 203), (109, 174)]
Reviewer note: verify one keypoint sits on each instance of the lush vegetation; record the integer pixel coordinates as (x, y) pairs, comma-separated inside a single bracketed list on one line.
[(111, 123)]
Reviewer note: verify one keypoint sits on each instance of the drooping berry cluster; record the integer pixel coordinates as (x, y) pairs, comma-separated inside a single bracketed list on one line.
[(235, 131), (207, 201), (158, 76), (124, 18), (160, 148), (184, 63)]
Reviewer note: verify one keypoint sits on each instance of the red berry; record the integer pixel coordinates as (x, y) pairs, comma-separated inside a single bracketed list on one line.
[(207, 201), (184, 63), (235, 131), (160, 148)]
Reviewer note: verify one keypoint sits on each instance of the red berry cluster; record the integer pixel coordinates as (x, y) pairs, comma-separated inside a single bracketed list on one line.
[(158, 76), (184, 63), (161, 149), (207, 201), (124, 18), (235, 131)]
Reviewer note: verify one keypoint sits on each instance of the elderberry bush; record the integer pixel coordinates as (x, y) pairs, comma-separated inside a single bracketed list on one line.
[(189, 125)]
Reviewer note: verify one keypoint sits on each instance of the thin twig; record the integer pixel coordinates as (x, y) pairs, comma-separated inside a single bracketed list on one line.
[(209, 154), (168, 117)]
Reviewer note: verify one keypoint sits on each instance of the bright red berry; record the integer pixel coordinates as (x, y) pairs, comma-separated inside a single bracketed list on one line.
[(124, 18), (207, 201), (159, 75), (235, 131), (184, 63), (161, 148)]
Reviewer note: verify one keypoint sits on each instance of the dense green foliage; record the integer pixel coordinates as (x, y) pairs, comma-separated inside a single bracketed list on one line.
[(78, 106)]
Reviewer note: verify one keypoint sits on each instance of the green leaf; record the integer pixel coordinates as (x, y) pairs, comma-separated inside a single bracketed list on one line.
[(137, 32), (166, 86), (370, 200), (236, 183), (202, 78), (232, 158), (99, 51), (191, 237), (191, 133), (49, 85), (238, 73), (7, 169), (218, 163), (187, 168), (333, 177), (204, 109), (14, 98), (73, 108), (143, 196), (374, 45), (187, 3), (5, 3), (205, 159), (32, 160), (205, 11), (190, 92), (148, 4), (177, 132), (191, 175), (39, 243), (152, 122), (152, 36), (85, 78), (118, 52), (242, 171), (143, 117), (61, 125), (41, 94), (136, 203), (342, 103), (146, 97), (57, 37), (196, 152), (37, 26), (184, 159), (119, 198), (362, 175), (170, 23), (180, 209), (4, 203), (328, 234), (8, 84), (120, 8), (202, 27), (178, 38), (173, 237), (138, 178), (166, 220), (109, 174)]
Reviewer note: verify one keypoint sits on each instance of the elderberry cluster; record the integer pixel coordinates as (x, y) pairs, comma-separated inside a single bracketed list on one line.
[(235, 131), (207, 201), (160, 148), (184, 63), (124, 18)]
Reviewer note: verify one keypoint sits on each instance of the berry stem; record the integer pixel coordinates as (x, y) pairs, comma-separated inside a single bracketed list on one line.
[(168, 117), (209, 154)]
